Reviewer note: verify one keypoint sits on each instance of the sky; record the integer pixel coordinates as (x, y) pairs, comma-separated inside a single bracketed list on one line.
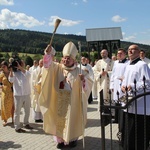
[(78, 15)]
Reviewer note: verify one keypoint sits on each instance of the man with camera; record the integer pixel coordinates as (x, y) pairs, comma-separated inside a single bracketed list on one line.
[(21, 90)]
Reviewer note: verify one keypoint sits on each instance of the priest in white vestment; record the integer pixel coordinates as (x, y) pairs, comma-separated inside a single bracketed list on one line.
[(88, 68), (36, 75), (103, 68)]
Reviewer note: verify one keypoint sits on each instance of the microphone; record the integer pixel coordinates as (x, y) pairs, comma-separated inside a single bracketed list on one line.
[(107, 73), (103, 71)]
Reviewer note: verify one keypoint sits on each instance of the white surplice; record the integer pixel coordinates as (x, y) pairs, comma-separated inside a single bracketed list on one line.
[(136, 72), (116, 77)]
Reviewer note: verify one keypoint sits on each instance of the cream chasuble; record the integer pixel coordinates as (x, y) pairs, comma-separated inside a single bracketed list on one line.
[(103, 81), (63, 110)]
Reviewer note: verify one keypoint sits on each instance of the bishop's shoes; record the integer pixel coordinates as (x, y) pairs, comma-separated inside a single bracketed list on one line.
[(71, 145)]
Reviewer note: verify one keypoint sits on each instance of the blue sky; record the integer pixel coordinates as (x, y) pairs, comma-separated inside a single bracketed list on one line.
[(78, 15)]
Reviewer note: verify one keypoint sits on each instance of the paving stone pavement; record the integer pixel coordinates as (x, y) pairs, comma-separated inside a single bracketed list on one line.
[(36, 139)]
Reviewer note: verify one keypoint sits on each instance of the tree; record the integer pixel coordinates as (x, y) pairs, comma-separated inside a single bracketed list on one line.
[(15, 53), (6, 56), (37, 57), (95, 55), (1, 58), (28, 60)]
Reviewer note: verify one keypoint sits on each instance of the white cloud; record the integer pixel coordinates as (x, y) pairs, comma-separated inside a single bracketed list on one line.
[(65, 33), (143, 32), (141, 37), (13, 19), (79, 33), (64, 22), (117, 18), (123, 33), (146, 32), (74, 3), (3, 25), (145, 42), (129, 38), (85, 1), (6, 2)]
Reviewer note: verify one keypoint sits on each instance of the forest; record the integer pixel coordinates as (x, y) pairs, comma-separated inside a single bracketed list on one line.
[(34, 42)]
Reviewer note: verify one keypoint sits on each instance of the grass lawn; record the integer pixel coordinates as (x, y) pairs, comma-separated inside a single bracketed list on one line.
[(20, 54)]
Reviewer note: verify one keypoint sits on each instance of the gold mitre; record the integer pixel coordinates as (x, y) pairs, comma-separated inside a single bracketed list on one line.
[(70, 50)]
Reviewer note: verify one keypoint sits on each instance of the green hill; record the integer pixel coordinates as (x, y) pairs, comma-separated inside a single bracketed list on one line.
[(33, 42)]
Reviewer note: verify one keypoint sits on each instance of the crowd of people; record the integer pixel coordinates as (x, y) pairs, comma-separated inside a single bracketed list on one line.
[(59, 92)]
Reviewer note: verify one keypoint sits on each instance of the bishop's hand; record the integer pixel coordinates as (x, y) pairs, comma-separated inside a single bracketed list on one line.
[(82, 77), (48, 49)]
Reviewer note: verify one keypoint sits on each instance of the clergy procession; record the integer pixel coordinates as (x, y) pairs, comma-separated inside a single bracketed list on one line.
[(59, 93)]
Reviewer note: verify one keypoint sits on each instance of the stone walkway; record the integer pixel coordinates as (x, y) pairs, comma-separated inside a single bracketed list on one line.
[(38, 140)]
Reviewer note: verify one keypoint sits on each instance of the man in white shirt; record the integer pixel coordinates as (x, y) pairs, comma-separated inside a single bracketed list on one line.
[(136, 70), (21, 88)]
